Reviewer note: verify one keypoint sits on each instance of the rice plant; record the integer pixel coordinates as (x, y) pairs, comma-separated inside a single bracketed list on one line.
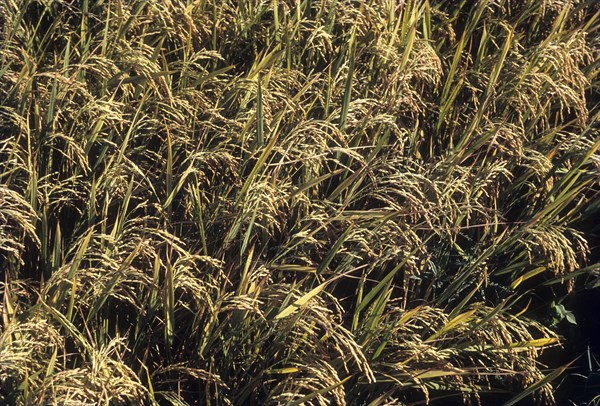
[(293, 202)]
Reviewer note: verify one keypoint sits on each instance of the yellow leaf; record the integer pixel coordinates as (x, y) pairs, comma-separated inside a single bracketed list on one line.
[(289, 370), (526, 276), (437, 373), (301, 302), (461, 318), (409, 315), (540, 342)]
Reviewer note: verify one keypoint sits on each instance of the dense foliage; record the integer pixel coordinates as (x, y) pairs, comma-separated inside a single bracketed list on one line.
[(293, 201)]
